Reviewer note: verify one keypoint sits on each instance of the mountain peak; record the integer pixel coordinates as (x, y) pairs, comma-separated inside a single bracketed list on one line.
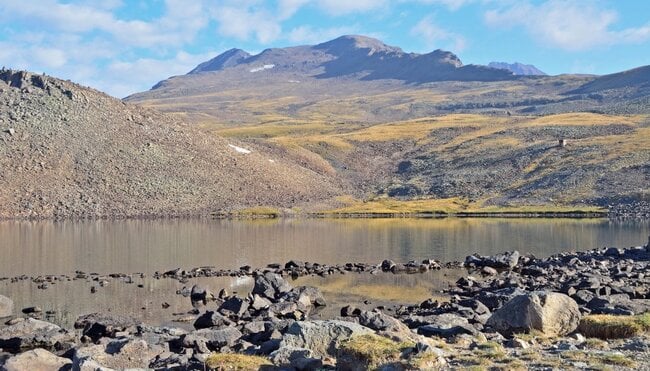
[(347, 43), (518, 68), (229, 58)]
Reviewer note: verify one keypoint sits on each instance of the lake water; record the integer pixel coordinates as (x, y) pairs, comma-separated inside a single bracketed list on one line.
[(36, 248), (39, 248)]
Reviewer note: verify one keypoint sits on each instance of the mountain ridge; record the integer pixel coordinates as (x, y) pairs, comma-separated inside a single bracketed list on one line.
[(351, 55)]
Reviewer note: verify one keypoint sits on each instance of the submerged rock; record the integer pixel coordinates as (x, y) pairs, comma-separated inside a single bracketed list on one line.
[(549, 312), (6, 306)]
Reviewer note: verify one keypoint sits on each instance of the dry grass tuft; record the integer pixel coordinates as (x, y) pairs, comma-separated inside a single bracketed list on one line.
[(605, 326), (238, 362)]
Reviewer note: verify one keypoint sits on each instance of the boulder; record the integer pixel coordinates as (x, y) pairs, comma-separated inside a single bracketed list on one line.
[(37, 359), (552, 313), (98, 325), (506, 260), (200, 295), (321, 337), (496, 299), (308, 296), (235, 306), (386, 325), (32, 333), (213, 338), (211, 319), (6, 306), (117, 355), (271, 286), (447, 325)]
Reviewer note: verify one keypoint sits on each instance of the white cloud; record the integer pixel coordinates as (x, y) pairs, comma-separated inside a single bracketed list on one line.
[(310, 35), (180, 23), (450, 4), (572, 26), (436, 37), (142, 73), (242, 22), (342, 7)]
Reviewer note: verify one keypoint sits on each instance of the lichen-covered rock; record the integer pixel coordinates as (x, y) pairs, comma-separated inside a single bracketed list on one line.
[(549, 312), (321, 337), (34, 360)]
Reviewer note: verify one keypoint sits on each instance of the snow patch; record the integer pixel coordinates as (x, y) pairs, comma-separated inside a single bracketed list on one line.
[(264, 67), (294, 81), (271, 161), (240, 149)]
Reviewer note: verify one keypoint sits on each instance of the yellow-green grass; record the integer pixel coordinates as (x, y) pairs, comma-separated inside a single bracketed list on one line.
[(390, 206), (372, 350), (238, 362), (605, 326), (278, 129), (597, 359), (257, 212), (450, 206)]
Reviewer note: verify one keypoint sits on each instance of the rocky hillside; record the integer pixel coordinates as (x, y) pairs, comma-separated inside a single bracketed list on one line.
[(518, 68), (396, 124), (70, 151)]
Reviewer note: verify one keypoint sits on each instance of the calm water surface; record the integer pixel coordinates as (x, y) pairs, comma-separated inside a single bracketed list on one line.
[(35, 248), (38, 248)]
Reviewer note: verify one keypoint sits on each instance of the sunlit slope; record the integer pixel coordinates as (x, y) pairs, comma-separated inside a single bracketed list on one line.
[(482, 160)]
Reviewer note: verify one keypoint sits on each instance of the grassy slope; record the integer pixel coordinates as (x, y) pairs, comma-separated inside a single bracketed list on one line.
[(399, 152), (596, 141)]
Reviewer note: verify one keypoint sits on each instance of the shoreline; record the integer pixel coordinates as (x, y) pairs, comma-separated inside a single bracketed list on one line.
[(276, 317), (323, 215)]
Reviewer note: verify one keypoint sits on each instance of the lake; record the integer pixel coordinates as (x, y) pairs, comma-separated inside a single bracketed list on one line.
[(128, 246)]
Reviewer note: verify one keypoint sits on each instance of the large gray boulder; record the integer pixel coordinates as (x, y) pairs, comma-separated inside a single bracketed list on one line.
[(32, 333), (552, 313), (6, 306), (321, 337), (37, 359), (271, 286)]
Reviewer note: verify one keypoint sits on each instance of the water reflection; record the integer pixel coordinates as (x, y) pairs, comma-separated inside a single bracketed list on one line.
[(35, 248)]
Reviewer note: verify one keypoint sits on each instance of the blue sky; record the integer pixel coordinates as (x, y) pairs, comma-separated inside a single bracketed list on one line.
[(125, 46)]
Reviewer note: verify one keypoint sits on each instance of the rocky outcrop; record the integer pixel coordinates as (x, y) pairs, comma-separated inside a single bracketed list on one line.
[(27, 334), (551, 313)]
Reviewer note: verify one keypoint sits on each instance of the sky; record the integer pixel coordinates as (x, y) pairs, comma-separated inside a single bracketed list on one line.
[(125, 46)]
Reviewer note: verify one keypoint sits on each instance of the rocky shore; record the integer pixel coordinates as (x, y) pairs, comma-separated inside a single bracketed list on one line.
[(588, 310)]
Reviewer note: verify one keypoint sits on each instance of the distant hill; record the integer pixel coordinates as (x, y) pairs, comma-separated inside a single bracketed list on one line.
[(518, 68), (71, 152), (637, 78)]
